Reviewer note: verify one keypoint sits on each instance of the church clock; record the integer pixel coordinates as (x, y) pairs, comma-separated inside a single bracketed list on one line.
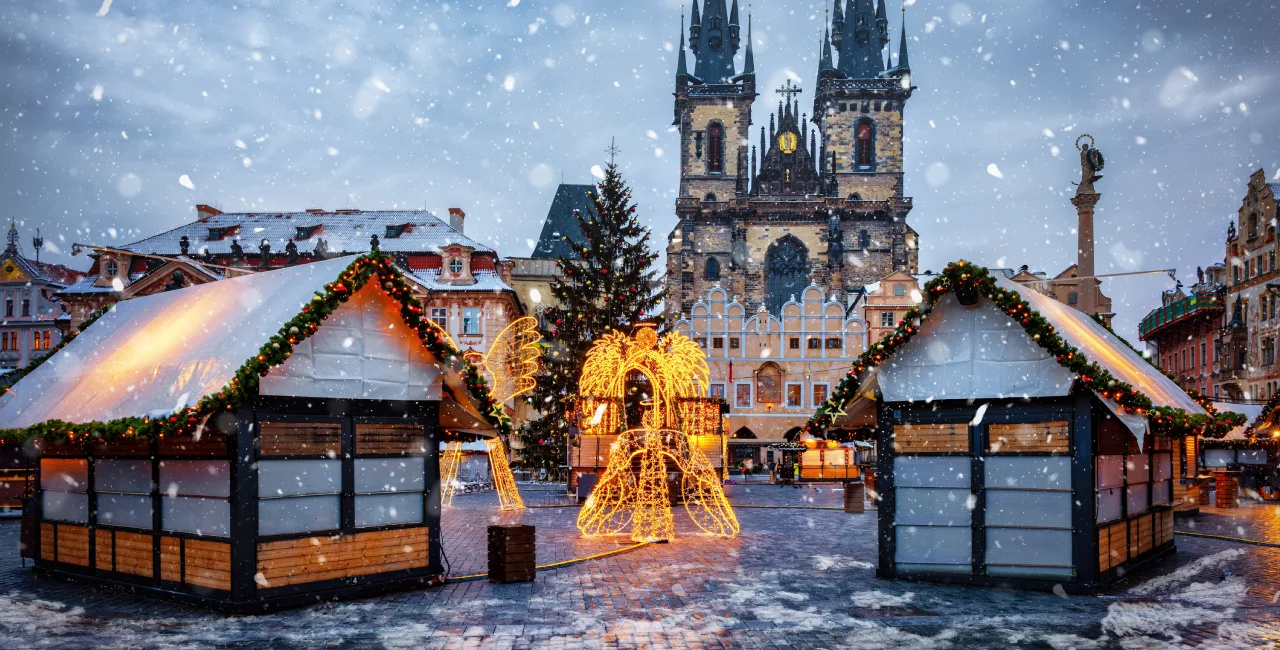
[(787, 142)]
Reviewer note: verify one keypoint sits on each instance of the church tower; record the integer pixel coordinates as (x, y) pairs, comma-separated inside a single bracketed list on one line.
[(713, 105)]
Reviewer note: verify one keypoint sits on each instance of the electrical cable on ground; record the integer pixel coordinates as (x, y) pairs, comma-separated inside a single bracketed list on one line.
[(554, 565), (1238, 540)]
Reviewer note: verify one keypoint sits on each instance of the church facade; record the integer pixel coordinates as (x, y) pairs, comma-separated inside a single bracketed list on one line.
[(813, 198)]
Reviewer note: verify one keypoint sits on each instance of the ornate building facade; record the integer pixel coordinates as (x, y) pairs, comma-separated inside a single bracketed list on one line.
[(820, 200), (1246, 361), (33, 320)]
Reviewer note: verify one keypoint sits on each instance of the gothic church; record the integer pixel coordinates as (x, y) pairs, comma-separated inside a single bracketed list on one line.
[(820, 205)]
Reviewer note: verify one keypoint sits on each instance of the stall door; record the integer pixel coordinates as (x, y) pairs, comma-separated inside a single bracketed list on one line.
[(1028, 516), (933, 517)]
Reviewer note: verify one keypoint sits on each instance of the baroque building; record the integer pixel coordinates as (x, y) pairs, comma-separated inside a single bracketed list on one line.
[(1246, 361), (820, 199), (34, 320)]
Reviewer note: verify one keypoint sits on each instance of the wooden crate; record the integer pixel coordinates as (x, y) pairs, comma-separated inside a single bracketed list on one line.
[(1227, 485), (512, 554), (855, 497)]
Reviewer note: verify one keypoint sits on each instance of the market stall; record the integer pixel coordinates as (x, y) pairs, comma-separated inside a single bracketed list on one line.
[(249, 443)]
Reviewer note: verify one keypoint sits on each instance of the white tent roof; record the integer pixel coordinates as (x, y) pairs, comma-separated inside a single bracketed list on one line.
[(155, 354), (1249, 411)]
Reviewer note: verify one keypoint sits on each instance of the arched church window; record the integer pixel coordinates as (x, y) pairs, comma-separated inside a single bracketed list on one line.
[(769, 384), (715, 148), (786, 271), (713, 269), (864, 144)]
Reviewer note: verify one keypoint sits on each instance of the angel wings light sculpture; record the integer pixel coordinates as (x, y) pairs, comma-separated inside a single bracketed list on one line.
[(633, 491), (511, 363)]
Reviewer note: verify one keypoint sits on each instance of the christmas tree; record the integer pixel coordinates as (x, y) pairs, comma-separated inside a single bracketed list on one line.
[(609, 285)]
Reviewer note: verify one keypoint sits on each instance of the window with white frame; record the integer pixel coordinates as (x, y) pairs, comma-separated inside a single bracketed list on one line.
[(795, 395), (820, 392), (440, 316), (886, 319), (716, 390), (471, 321), (899, 289), (742, 395)]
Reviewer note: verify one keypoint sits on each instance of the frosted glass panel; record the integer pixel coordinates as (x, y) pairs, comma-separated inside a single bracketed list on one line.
[(64, 474), (118, 475), (1219, 457), (196, 515), (1029, 571), (1109, 504), (131, 510), (1160, 492), (1161, 467), (1023, 508), (1137, 498), (1110, 471), (1137, 468), (278, 478), (940, 472), (65, 506), (933, 506), (389, 474), (205, 478), (1039, 472), (934, 545), (1252, 456), (298, 515), (386, 509), (1028, 547)]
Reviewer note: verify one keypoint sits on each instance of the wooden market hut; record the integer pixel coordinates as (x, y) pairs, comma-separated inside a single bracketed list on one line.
[(1010, 448), (262, 441)]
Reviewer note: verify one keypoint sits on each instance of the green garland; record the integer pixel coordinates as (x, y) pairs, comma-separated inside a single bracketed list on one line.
[(243, 387), (972, 280)]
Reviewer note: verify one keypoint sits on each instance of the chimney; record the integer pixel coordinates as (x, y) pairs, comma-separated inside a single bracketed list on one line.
[(203, 212), (456, 218)]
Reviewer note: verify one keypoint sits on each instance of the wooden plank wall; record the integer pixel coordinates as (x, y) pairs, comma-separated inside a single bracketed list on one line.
[(134, 554), (208, 564), (1163, 527), (1113, 545), (311, 559), (301, 439), (1036, 438), (1140, 535), (390, 439), (66, 543), (930, 438)]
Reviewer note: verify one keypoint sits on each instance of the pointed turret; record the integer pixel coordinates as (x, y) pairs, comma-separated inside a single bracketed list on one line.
[(859, 40), (882, 23), (734, 32), (682, 68), (714, 44), (824, 62), (695, 30), (749, 65), (837, 24), (903, 64)]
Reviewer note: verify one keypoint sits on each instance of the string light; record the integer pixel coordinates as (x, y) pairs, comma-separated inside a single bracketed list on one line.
[(503, 481), (677, 373), (449, 465)]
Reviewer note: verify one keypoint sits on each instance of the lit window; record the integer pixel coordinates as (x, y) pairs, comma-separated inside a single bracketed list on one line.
[(440, 316), (471, 321), (795, 395), (819, 394)]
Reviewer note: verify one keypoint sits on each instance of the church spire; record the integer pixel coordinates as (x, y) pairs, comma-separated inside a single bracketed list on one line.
[(714, 40), (903, 64), (734, 32), (749, 66), (695, 30), (682, 68), (12, 248), (824, 64)]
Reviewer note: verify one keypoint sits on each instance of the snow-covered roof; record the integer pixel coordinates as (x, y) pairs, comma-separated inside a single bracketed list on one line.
[(85, 285), (159, 353), (1250, 411), (485, 281), (1106, 349), (343, 231)]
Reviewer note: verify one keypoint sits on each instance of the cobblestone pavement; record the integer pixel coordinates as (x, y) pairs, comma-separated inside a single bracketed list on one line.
[(794, 578)]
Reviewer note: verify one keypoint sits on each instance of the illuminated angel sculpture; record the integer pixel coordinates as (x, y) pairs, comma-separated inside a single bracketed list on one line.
[(675, 368), (511, 362)]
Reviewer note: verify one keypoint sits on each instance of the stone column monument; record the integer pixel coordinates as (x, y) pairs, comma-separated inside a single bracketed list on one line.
[(1091, 162)]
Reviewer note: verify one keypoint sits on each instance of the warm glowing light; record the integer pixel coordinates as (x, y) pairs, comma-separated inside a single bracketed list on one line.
[(677, 372), (503, 481), (512, 360), (449, 464)]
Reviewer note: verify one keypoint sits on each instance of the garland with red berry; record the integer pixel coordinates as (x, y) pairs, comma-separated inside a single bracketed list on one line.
[(970, 281), (243, 387)]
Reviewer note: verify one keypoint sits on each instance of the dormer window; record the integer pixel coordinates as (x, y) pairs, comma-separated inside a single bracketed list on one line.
[(455, 266), (394, 232), (306, 232), (112, 268), (218, 234)]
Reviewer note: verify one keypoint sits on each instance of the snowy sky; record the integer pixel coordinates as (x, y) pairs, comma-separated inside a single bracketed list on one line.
[(485, 104)]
